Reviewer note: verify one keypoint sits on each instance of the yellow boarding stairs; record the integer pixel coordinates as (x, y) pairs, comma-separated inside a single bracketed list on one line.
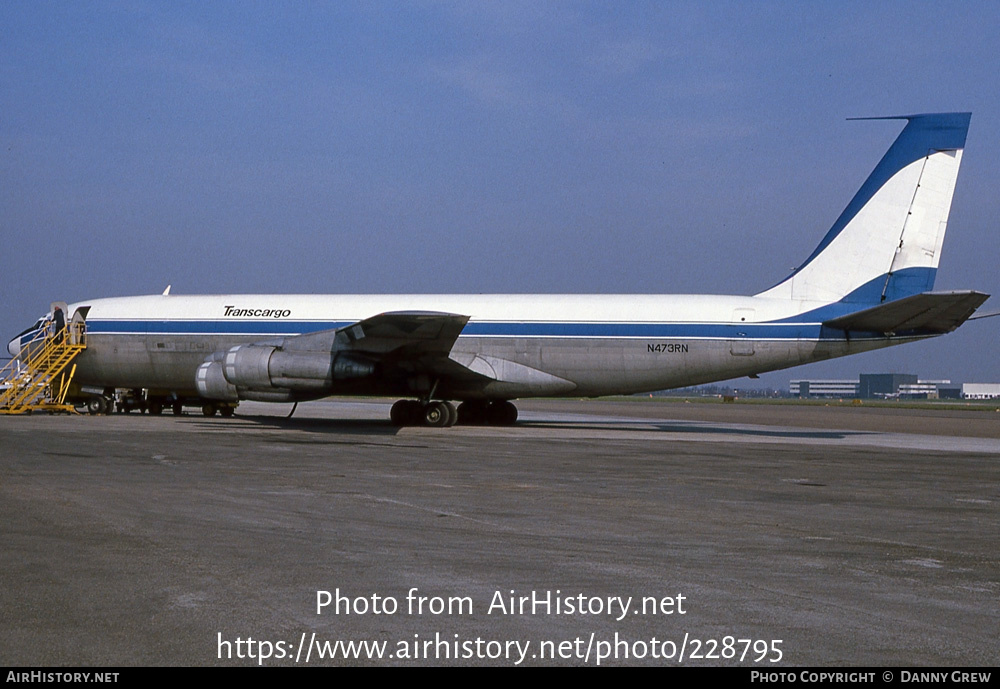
[(37, 379)]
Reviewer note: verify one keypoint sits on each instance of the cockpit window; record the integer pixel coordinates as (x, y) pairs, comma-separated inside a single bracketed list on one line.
[(36, 326)]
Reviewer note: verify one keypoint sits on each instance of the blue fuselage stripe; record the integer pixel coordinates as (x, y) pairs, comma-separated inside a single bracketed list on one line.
[(269, 328)]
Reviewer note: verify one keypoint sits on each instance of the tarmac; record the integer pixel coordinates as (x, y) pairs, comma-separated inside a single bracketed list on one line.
[(593, 532)]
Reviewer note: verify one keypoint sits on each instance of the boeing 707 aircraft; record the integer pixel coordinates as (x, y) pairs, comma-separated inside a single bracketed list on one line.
[(867, 285)]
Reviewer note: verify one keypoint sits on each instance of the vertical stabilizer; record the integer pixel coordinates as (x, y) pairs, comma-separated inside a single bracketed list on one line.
[(887, 243)]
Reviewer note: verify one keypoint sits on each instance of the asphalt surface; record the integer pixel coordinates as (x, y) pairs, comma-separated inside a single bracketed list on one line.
[(689, 534)]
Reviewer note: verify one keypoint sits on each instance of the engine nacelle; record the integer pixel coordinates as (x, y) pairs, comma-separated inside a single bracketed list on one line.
[(245, 366), (265, 367), (212, 384)]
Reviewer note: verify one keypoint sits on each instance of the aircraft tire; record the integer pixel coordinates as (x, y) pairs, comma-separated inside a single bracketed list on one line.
[(178, 408), (96, 405), (501, 413), (227, 412), (416, 414), (401, 414), (155, 408), (435, 414), (208, 409), (472, 413), (452, 414)]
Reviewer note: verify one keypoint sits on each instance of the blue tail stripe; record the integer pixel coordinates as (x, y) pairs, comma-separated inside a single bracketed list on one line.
[(922, 134)]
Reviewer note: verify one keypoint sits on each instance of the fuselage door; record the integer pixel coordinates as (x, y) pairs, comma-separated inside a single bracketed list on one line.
[(740, 343)]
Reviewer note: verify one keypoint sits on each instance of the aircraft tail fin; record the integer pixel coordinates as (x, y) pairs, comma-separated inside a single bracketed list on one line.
[(887, 242)]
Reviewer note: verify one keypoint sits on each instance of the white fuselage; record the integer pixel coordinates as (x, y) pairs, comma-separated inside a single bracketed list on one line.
[(525, 345)]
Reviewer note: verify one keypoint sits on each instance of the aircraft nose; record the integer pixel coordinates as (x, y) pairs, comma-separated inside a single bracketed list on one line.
[(14, 346)]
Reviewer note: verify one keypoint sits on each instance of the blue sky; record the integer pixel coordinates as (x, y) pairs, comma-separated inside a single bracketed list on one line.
[(478, 147)]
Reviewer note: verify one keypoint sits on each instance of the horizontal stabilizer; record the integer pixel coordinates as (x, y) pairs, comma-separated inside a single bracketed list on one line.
[(935, 312)]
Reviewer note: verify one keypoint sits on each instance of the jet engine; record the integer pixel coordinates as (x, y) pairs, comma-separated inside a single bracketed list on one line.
[(276, 373)]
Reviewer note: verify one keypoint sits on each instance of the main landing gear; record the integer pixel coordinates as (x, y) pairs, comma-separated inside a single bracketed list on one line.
[(444, 414)]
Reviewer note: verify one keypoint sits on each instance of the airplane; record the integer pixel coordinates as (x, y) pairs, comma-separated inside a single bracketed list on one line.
[(866, 286)]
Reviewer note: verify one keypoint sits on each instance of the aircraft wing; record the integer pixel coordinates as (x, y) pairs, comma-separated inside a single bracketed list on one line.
[(394, 350), (935, 312), (413, 341), (400, 342), (403, 333)]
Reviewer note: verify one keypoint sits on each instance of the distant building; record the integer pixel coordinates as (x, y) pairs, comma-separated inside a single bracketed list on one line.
[(922, 389), (882, 385), (823, 388), (981, 391), (950, 393), (871, 386)]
